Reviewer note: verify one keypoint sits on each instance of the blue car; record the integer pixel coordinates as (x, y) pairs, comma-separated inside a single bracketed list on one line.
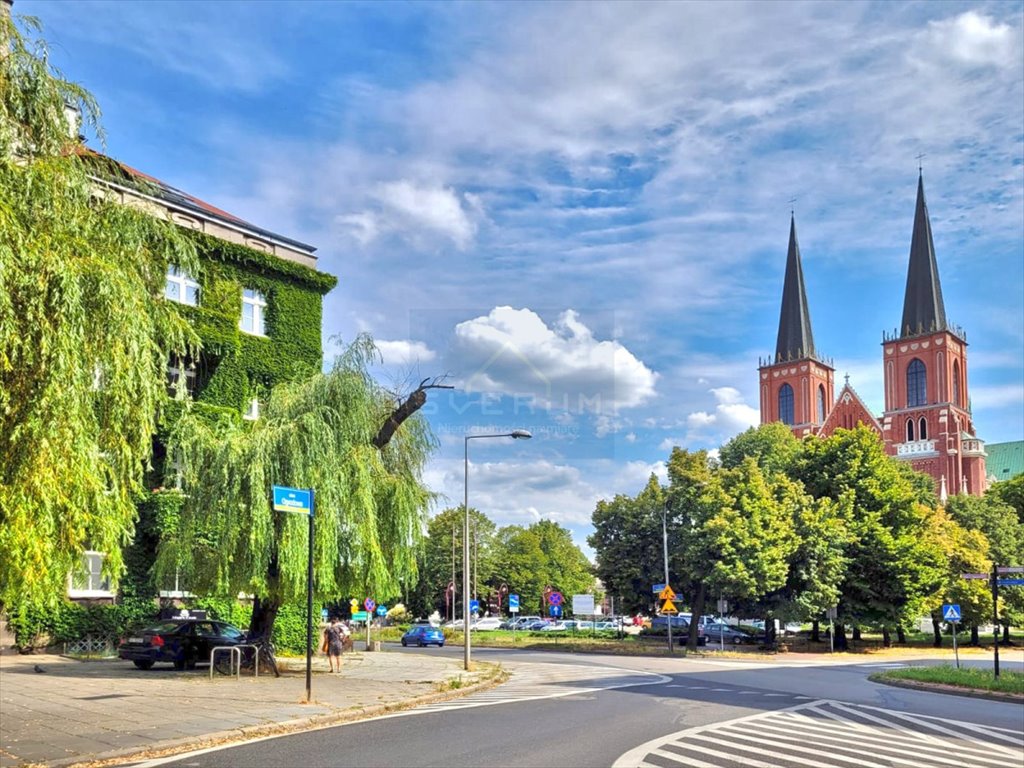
[(422, 635)]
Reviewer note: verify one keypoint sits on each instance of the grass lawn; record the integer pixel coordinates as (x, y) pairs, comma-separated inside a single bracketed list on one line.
[(976, 679)]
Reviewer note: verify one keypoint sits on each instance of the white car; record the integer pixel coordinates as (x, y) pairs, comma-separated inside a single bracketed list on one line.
[(490, 622)]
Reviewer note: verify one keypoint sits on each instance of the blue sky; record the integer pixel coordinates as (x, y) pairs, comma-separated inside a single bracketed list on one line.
[(579, 212)]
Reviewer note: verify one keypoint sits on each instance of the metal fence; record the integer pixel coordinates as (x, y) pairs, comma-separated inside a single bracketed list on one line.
[(92, 646)]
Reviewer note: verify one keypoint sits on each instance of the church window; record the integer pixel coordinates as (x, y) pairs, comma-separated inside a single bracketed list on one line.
[(910, 430), (956, 384), (821, 403), (922, 429), (916, 384), (786, 404)]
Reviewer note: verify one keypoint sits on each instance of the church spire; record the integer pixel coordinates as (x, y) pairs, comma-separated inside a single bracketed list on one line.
[(795, 340), (923, 310)]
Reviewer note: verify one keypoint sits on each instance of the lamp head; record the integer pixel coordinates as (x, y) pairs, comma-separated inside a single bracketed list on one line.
[(520, 434)]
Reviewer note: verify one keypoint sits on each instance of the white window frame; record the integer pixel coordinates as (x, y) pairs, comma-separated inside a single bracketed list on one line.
[(258, 302), (176, 368), (98, 584), (252, 413), (183, 280), (177, 591)]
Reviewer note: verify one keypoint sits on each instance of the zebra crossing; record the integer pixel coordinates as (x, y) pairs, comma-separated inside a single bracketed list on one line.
[(531, 682), (832, 734)]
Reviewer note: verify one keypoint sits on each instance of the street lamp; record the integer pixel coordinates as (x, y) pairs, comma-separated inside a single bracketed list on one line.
[(515, 434)]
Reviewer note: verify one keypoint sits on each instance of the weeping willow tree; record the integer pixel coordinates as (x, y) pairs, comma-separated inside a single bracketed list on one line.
[(321, 433), (84, 334)]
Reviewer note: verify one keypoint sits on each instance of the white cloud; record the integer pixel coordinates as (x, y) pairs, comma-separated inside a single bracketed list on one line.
[(514, 352), (973, 40), (730, 417), (402, 352), (997, 396), (409, 208)]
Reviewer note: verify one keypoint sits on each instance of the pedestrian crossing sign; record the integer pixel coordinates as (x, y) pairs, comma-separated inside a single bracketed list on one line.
[(669, 607), (667, 593), (951, 613)]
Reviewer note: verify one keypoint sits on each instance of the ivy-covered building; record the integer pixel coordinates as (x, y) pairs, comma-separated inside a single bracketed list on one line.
[(256, 307)]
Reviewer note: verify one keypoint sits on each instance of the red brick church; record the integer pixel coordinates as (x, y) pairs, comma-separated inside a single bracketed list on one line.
[(927, 418)]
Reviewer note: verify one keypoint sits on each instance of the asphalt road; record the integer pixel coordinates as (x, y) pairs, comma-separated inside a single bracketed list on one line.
[(584, 710)]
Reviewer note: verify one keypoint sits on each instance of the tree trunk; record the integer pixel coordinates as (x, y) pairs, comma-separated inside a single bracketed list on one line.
[(770, 640), (264, 613), (886, 637), (856, 633), (841, 643), (698, 611), (815, 632), (901, 635), (1006, 634), (936, 631), (975, 641)]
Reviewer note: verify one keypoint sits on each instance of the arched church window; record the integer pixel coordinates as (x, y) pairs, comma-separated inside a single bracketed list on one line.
[(917, 380), (910, 430), (956, 384), (922, 429), (821, 403), (786, 404)]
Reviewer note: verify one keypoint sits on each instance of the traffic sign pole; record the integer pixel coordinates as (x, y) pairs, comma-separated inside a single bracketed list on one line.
[(664, 541), (995, 614), (956, 653)]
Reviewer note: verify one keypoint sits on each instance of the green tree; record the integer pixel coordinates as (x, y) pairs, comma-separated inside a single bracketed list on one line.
[(772, 446), (628, 547), (316, 433), (540, 556), (1011, 492), (84, 334)]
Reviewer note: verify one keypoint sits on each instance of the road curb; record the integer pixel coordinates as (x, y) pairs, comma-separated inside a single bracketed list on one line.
[(220, 738), (952, 690)]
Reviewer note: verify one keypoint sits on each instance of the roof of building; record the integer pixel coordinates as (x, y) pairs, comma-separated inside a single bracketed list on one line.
[(1004, 460), (179, 199), (796, 340), (923, 309)]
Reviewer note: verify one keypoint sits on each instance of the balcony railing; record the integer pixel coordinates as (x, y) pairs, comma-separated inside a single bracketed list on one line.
[(915, 448)]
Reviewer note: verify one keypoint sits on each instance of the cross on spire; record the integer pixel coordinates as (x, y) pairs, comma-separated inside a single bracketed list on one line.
[(920, 156)]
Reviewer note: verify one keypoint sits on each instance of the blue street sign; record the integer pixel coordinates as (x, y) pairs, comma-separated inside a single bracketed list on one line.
[(657, 588), (369, 604), (513, 602), (555, 598), (1010, 582), (555, 611), (474, 606), (951, 613), (382, 610), (323, 614), (292, 499)]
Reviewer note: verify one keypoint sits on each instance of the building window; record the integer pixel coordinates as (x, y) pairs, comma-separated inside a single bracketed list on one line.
[(88, 580), (922, 429), (956, 384), (181, 287), (177, 370), (917, 393), (821, 403), (253, 411), (910, 430), (254, 310), (786, 404)]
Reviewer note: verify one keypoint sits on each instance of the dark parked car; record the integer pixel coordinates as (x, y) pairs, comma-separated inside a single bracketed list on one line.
[(183, 643), (423, 634), (723, 633), (680, 629)]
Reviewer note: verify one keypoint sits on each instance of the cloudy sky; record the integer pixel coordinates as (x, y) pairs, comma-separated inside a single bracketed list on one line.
[(579, 212)]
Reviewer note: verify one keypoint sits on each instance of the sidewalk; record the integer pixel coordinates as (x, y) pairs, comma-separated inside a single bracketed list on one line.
[(79, 711)]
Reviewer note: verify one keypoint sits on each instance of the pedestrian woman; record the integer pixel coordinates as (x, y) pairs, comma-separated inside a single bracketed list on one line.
[(335, 643)]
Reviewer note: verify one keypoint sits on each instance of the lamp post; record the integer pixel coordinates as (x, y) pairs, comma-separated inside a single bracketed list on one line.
[(515, 434), (664, 542)]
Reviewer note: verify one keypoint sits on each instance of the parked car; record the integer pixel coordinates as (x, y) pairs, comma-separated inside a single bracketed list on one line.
[(423, 635), (557, 626), (523, 621), (718, 633), (489, 622), (534, 626), (680, 628), (183, 643)]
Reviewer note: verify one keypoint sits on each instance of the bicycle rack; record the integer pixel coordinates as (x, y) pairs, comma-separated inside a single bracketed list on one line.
[(236, 658)]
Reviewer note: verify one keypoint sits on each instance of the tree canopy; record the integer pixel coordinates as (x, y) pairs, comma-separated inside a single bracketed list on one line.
[(84, 335)]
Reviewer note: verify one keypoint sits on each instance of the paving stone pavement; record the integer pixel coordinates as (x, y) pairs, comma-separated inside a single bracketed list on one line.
[(84, 710)]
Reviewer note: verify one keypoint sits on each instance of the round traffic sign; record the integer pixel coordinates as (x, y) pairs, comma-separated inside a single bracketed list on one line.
[(369, 604), (555, 598)]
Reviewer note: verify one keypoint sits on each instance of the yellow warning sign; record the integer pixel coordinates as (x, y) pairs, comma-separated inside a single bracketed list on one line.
[(669, 607), (667, 593)]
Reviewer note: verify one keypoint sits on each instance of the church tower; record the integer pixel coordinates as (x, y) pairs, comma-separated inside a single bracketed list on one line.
[(927, 419), (796, 385)]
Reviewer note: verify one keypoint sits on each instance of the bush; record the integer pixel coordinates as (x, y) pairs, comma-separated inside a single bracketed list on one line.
[(35, 626)]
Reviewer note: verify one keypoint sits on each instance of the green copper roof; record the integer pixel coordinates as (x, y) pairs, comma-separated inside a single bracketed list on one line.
[(1005, 460)]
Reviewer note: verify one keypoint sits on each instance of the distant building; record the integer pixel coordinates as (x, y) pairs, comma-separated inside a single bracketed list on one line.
[(1005, 461), (927, 419)]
